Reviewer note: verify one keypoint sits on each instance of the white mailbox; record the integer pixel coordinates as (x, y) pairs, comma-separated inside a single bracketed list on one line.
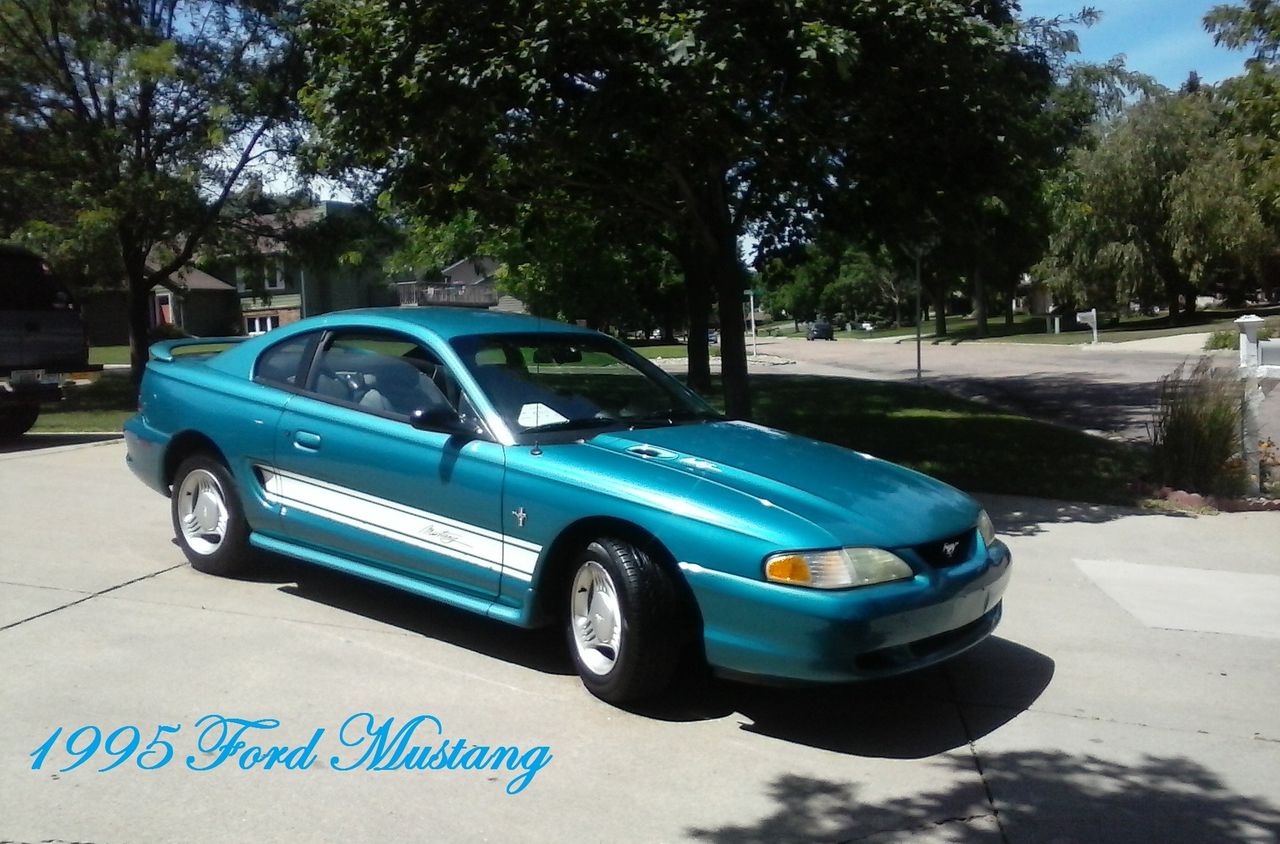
[(1089, 318)]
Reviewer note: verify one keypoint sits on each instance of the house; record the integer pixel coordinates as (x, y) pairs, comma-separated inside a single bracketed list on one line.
[(469, 283), (307, 261), (196, 302)]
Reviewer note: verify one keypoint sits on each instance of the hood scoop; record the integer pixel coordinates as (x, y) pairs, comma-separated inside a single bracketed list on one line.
[(652, 452)]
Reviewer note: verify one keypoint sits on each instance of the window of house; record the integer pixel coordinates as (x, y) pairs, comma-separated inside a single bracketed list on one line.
[(255, 325), (275, 275)]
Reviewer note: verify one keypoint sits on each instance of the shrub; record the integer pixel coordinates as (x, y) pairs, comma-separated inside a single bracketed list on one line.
[(1197, 431), (165, 331), (1227, 338)]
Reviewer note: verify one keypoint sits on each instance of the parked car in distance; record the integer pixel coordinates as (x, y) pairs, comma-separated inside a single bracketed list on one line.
[(539, 473), (821, 330), (42, 339)]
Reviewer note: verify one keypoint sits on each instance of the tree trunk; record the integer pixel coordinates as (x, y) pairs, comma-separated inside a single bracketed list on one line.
[(138, 308), (940, 315), (698, 302), (729, 283)]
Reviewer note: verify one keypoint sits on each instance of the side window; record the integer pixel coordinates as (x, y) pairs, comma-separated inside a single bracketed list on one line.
[(382, 374), (284, 364)]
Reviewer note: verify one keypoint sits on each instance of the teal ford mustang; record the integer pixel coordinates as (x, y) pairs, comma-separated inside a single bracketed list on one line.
[(541, 473)]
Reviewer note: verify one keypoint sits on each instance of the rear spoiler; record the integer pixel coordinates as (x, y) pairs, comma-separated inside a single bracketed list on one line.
[(163, 351)]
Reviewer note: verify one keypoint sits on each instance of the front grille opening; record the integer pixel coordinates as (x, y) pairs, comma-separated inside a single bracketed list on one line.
[(898, 656), (950, 551)]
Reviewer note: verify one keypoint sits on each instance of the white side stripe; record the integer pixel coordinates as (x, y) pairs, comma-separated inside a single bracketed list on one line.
[(392, 520)]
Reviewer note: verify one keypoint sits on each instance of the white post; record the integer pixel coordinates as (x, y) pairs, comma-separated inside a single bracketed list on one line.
[(1249, 363), (751, 303), (1248, 326)]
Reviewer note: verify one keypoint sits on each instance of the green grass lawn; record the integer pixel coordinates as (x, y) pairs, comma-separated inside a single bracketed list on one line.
[(100, 406), (102, 355), (673, 350), (964, 443)]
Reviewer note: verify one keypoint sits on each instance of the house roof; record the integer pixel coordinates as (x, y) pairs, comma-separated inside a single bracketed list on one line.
[(469, 271), (189, 278)]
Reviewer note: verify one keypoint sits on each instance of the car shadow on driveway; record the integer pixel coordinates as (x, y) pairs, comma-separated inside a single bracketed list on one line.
[(540, 650), (910, 717)]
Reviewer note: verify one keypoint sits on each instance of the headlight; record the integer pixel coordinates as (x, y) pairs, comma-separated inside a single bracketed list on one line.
[(986, 529), (841, 568)]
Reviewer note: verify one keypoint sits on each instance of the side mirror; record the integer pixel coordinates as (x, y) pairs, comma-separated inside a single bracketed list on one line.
[(441, 419)]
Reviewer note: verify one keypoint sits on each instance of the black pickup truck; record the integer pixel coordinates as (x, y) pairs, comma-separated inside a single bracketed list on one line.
[(42, 339)]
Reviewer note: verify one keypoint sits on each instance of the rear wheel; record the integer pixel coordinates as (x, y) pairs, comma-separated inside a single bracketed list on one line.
[(16, 421), (207, 519), (625, 622)]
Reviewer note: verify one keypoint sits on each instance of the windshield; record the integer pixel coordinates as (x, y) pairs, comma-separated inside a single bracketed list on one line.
[(541, 383), (27, 284)]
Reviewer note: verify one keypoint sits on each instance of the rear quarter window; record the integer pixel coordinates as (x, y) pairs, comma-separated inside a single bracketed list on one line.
[(283, 363)]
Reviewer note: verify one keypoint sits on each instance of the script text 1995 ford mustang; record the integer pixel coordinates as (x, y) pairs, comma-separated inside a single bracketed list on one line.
[(541, 473)]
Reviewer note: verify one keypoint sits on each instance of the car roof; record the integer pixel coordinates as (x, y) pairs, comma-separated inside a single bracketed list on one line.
[(445, 322)]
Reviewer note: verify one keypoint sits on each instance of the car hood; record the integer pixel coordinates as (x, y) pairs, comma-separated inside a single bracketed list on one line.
[(855, 498)]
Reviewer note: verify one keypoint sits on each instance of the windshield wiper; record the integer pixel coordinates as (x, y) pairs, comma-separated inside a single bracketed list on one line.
[(570, 424), (671, 416)]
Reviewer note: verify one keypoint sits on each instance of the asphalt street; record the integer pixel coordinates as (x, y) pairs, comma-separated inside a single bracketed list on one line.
[(1110, 388), (1129, 696)]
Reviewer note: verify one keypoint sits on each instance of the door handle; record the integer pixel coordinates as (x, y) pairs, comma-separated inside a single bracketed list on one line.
[(307, 440)]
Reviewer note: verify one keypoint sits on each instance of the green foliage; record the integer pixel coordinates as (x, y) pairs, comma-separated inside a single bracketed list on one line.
[(126, 125), (1227, 338), (829, 277), (1159, 208), (1197, 431), (686, 124)]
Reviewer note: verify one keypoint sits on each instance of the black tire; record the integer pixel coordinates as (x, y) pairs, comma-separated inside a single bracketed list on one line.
[(650, 629), (16, 421), (208, 520)]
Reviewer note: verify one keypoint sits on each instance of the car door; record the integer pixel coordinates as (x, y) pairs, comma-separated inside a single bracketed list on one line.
[(354, 478)]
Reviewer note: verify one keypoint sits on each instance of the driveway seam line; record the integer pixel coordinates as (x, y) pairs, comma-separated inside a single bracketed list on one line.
[(40, 586), (977, 759), (91, 596)]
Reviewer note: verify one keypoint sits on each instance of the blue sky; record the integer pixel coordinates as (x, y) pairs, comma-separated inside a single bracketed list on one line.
[(1162, 38)]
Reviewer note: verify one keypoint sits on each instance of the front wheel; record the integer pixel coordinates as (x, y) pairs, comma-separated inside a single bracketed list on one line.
[(16, 421), (207, 518), (625, 622)]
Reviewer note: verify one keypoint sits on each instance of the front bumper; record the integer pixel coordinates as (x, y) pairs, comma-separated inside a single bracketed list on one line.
[(775, 632)]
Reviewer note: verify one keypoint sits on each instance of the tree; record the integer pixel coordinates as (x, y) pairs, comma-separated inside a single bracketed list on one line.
[(1163, 207), (692, 120), (129, 122)]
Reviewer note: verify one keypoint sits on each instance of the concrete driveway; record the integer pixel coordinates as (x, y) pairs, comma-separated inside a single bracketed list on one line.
[(1129, 696)]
